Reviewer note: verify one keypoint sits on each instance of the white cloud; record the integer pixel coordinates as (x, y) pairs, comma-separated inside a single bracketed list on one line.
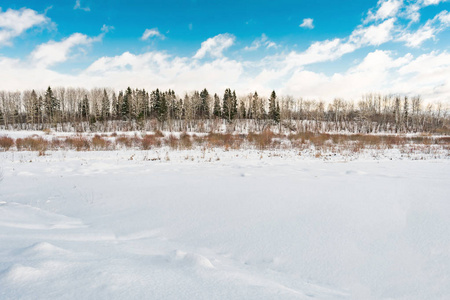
[(373, 35), (154, 32), (51, 53), (427, 31), (330, 50), (380, 71), (307, 23), (428, 76), (78, 6), (412, 9), (215, 46), (291, 73), (432, 2), (15, 22), (262, 41), (385, 9)]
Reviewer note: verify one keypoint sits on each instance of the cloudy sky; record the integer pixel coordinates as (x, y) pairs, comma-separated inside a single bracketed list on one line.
[(312, 49)]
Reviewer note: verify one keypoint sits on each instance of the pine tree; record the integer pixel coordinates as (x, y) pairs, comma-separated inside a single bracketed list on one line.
[(242, 112), (105, 106), (126, 104), (85, 108), (51, 105), (204, 105), (235, 106), (115, 106), (227, 107), (217, 112), (274, 110), (162, 114)]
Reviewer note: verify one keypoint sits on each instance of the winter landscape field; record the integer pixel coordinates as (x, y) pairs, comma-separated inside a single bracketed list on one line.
[(223, 224), (238, 149)]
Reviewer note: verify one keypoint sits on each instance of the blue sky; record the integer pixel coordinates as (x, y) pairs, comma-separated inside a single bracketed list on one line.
[(313, 49)]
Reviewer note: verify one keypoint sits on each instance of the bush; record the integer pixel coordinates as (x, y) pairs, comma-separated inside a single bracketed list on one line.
[(99, 143), (6, 142), (172, 141), (32, 144), (185, 141), (149, 141), (79, 143)]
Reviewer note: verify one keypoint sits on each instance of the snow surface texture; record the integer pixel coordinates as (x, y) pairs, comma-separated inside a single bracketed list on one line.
[(234, 225)]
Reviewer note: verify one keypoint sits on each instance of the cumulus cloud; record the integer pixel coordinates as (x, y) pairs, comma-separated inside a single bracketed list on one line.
[(427, 31), (385, 9), (287, 72), (427, 75), (215, 46), (373, 35), (432, 2), (411, 11), (51, 53), (307, 23), (330, 50), (149, 33), (15, 22)]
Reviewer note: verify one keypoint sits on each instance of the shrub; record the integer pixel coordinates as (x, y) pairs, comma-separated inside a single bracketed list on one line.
[(124, 141), (185, 141), (149, 141), (99, 143), (172, 141), (159, 134), (79, 143), (6, 142), (32, 144)]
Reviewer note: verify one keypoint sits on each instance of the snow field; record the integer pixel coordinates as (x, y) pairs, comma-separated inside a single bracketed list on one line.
[(248, 225)]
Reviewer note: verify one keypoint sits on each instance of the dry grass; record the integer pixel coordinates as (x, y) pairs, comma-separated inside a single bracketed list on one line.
[(150, 141), (172, 141), (78, 143), (32, 144), (323, 143), (185, 141), (99, 143), (6, 143)]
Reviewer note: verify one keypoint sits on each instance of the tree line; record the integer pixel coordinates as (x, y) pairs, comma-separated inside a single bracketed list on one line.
[(53, 107)]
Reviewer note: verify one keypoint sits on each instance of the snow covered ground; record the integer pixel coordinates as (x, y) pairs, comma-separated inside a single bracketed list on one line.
[(222, 225)]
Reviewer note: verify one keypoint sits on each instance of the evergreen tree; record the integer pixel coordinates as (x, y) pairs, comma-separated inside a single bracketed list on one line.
[(242, 112), (162, 114), (115, 106), (217, 112), (204, 105), (85, 108), (126, 104), (105, 106), (227, 107), (51, 105), (235, 106), (274, 110)]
